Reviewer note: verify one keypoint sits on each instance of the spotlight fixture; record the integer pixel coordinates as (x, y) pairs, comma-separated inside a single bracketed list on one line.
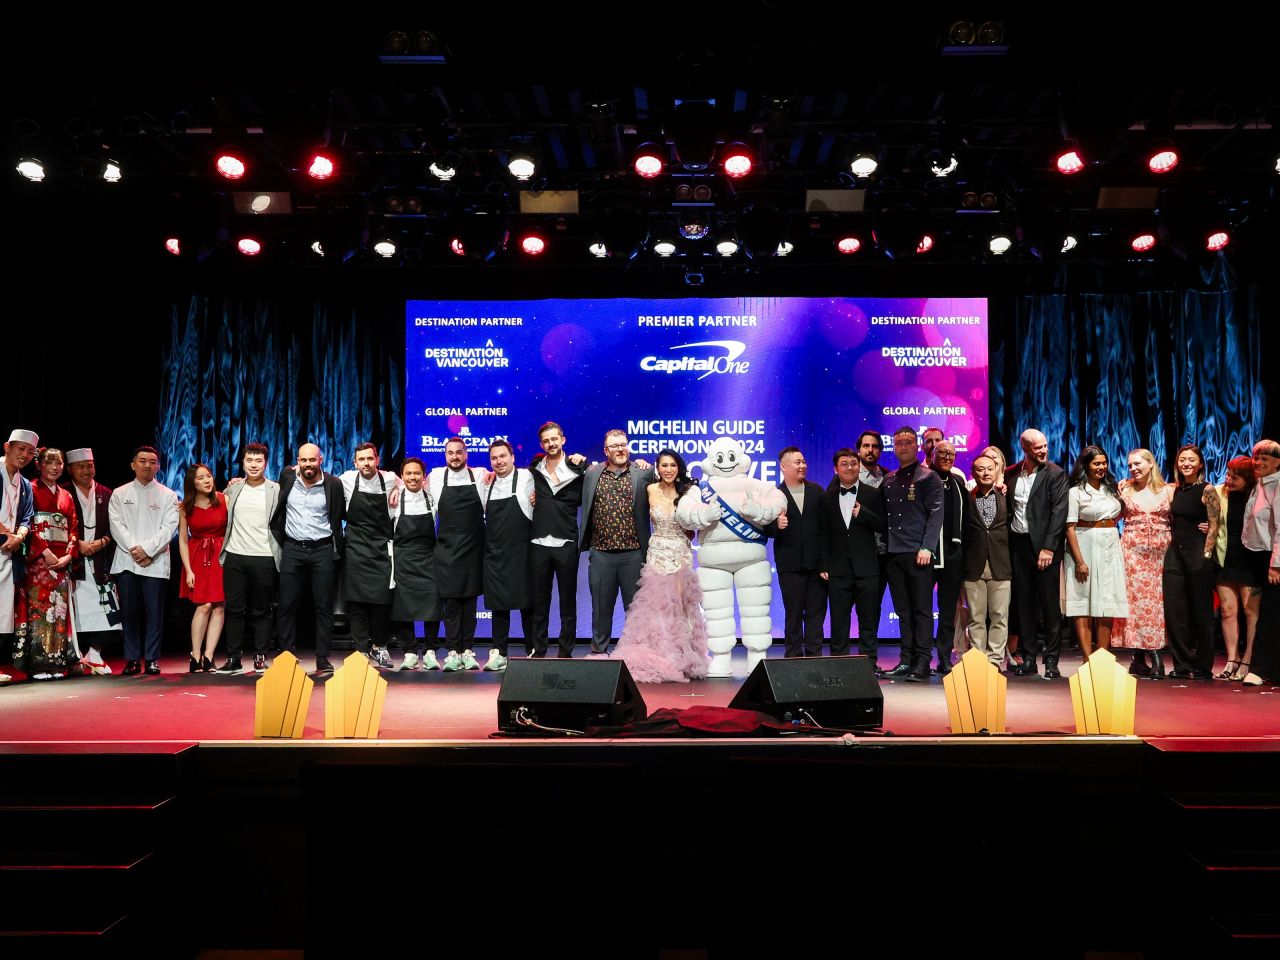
[(249, 247), (785, 248), (1218, 240), (521, 166), (737, 161), (31, 168), (848, 245), (456, 246), (1163, 157), (385, 249), (990, 33), (694, 228), (942, 163), (321, 167), (230, 165), (1069, 162), (174, 246), (863, 165), (261, 203), (961, 33), (1277, 164), (1143, 242), (1069, 243), (442, 170), (701, 193), (598, 250), (317, 248), (999, 245), (664, 248), (111, 172), (925, 244), (727, 248), (649, 161), (532, 244)]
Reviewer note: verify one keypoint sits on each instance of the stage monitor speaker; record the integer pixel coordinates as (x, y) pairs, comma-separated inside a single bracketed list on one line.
[(567, 695), (830, 691)]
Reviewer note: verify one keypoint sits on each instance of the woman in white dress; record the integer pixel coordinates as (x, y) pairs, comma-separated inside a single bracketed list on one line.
[(1093, 588)]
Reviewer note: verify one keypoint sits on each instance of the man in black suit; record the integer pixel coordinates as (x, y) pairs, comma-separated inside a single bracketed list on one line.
[(615, 528), (307, 524), (853, 513), (1037, 503), (797, 554), (948, 570), (557, 487)]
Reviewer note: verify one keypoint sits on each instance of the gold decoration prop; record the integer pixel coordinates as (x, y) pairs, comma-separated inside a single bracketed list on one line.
[(1104, 696), (976, 693), (281, 698), (353, 699)]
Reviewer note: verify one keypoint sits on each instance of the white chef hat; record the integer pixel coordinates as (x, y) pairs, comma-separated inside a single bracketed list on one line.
[(79, 454), (25, 436)]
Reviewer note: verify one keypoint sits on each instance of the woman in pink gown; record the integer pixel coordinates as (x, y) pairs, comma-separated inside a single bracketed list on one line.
[(665, 636), (1147, 532)]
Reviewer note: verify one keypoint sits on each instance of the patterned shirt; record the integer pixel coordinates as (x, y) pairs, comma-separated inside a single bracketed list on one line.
[(986, 507), (613, 517)]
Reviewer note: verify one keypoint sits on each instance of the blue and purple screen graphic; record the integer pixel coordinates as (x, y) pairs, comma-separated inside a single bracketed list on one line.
[(771, 372)]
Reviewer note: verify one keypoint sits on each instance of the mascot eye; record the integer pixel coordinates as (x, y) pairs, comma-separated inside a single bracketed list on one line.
[(719, 458)]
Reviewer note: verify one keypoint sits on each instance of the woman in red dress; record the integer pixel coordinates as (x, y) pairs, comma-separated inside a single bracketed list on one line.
[(46, 649), (202, 525)]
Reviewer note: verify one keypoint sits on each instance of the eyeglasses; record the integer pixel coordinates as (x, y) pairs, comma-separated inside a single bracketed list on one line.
[(615, 446), (939, 455)]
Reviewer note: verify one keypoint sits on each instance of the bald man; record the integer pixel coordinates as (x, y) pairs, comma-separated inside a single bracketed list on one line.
[(307, 523)]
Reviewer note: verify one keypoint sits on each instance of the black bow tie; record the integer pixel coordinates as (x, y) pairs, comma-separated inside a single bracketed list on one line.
[(844, 490)]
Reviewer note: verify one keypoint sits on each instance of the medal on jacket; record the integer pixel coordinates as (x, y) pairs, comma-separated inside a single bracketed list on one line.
[(911, 492)]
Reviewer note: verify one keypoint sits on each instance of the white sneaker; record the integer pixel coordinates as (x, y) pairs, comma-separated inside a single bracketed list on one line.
[(380, 658), (5, 678), (429, 661), (410, 662), (1252, 680), (497, 662), (469, 661), (453, 662)]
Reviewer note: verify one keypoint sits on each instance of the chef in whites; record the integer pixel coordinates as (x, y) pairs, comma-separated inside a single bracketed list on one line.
[(371, 496), (508, 503), (415, 597), (456, 491)]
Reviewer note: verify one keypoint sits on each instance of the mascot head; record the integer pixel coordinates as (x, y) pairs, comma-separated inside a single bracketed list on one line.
[(726, 458)]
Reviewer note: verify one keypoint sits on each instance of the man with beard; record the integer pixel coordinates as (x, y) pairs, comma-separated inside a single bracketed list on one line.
[(797, 535), (415, 597), (508, 504), (95, 605), (459, 553), (17, 513), (948, 571), (307, 524), (558, 487), (854, 514), (371, 498), (250, 559)]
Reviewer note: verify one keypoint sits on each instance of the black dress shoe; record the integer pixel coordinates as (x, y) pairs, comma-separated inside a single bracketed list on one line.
[(131, 668), (1051, 672), (1180, 674), (322, 665), (1026, 668), (153, 667), (565, 655), (878, 672), (944, 667), (918, 676), (901, 670), (1201, 674), (536, 655)]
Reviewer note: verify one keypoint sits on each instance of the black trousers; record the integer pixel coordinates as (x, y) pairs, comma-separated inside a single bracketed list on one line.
[(1036, 608), (459, 623), (97, 639), (911, 587), (142, 613), (804, 605), (1188, 580), (848, 593), (370, 623), (300, 562), (250, 587), (949, 579), (502, 627), (403, 629), (560, 563), (610, 572)]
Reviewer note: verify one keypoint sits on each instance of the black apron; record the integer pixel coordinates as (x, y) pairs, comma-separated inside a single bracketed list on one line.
[(506, 555), (415, 597), (460, 541), (366, 576)]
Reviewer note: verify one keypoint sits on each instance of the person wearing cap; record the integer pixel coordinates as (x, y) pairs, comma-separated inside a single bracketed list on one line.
[(144, 519), (17, 513), (95, 604)]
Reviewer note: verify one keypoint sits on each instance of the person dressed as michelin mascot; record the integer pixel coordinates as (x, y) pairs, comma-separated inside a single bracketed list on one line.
[(729, 509)]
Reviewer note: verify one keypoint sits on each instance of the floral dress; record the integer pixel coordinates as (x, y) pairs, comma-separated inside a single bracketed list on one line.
[(45, 644), (1145, 541)]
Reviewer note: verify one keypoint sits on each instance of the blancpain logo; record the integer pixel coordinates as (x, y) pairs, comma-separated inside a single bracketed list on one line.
[(707, 364)]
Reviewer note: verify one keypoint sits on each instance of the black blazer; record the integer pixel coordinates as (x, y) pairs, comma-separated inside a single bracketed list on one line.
[(334, 497), (798, 548), (852, 551), (987, 543), (101, 560), (1046, 508)]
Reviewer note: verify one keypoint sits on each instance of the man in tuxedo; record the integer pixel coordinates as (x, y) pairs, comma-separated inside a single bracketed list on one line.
[(797, 536), (853, 513), (1037, 502), (615, 528), (307, 523)]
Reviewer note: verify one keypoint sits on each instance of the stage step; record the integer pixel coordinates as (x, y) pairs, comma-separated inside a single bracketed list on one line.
[(87, 863)]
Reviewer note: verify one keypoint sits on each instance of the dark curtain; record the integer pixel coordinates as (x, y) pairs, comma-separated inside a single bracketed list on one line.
[(1153, 370), (282, 373)]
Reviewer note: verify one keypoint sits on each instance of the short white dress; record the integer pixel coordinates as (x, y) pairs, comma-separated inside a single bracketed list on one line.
[(1103, 594)]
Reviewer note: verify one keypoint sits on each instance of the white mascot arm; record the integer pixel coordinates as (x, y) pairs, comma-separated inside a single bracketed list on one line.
[(693, 514), (763, 503)]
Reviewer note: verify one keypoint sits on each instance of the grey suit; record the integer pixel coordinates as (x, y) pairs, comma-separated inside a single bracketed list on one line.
[(249, 582), (613, 571)]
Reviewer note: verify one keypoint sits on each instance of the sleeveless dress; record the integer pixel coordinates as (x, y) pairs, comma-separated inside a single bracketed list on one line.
[(665, 636), (1145, 540), (206, 529)]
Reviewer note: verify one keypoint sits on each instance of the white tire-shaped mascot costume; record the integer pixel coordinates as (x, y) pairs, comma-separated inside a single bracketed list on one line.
[(729, 509)]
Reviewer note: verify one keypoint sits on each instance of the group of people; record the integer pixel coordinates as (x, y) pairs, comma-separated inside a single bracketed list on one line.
[(1023, 545)]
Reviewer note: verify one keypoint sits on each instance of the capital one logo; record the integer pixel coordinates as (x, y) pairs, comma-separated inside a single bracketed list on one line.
[(709, 356)]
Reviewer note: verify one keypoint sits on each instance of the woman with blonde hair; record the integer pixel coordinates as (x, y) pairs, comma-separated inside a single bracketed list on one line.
[(1148, 530)]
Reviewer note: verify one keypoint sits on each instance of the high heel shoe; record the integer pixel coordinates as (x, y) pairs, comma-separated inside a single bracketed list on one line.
[(206, 664), (1242, 671), (1138, 666), (1227, 673), (193, 666), (1157, 665)]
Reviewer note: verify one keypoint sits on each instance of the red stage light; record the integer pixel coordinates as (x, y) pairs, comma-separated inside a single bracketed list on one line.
[(925, 244), (533, 245), (737, 163), (249, 247), (648, 163), (1218, 240), (1162, 161), (230, 166), (456, 246), (321, 167), (848, 244), (1143, 242), (1069, 162), (173, 246)]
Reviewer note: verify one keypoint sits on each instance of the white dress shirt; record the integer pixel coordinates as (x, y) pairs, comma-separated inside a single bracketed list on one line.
[(1260, 521), (1021, 494), (143, 516)]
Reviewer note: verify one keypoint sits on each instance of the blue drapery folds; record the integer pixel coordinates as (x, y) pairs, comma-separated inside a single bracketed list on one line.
[(1153, 370), (284, 374)]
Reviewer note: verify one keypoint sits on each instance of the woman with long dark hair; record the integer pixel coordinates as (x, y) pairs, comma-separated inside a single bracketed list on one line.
[(1238, 585), (202, 526), (1093, 583), (1188, 568), (665, 636), (46, 649)]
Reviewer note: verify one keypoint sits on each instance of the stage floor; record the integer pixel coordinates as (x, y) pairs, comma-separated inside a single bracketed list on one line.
[(177, 706)]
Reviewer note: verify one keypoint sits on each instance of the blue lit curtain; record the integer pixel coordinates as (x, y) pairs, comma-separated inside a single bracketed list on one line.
[(1152, 370), (279, 372)]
